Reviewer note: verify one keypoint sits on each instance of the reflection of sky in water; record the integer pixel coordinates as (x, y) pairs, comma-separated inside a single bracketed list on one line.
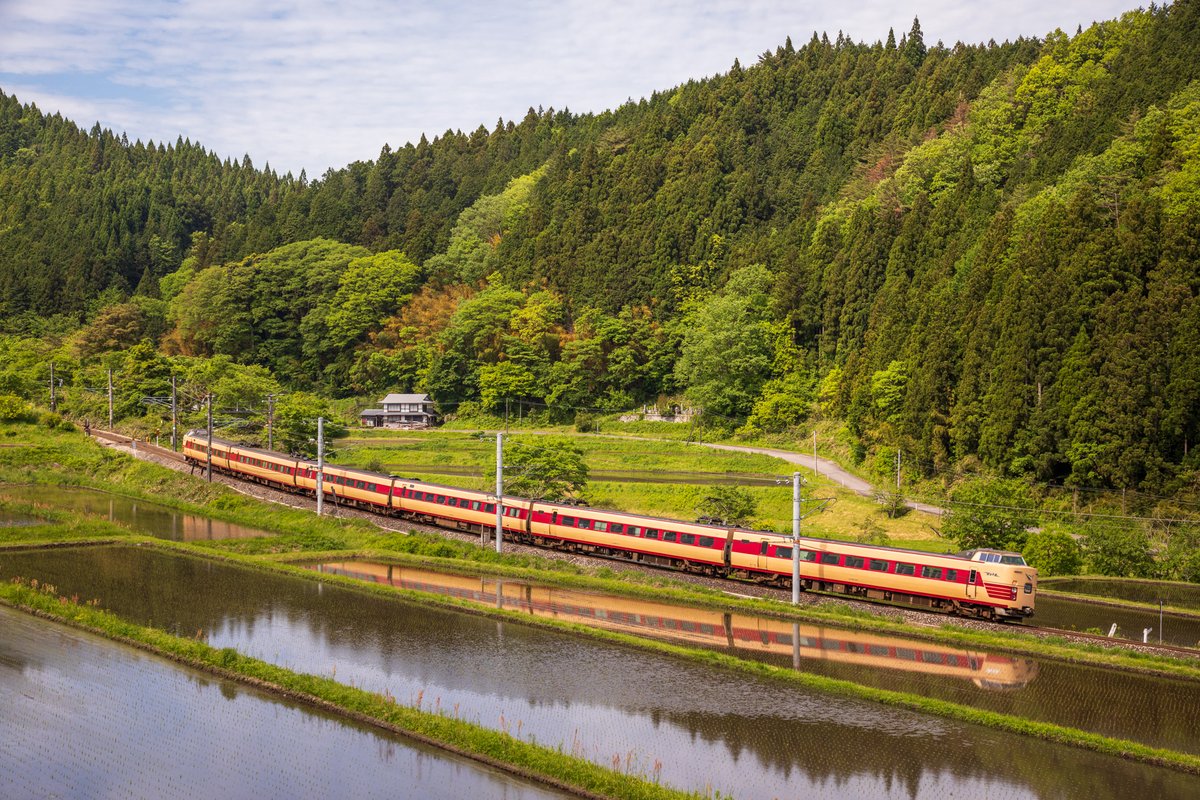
[(692, 725), (86, 718), (141, 516)]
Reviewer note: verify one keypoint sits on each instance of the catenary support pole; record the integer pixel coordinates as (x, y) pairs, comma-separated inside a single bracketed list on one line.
[(320, 465), (499, 490), (270, 422), (796, 538), (208, 453), (110, 403), (53, 398), (174, 414)]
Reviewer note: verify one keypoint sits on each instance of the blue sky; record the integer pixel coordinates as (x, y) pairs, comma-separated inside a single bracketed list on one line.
[(312, 84)]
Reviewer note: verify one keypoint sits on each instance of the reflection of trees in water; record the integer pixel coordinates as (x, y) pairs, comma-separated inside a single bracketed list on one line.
[(777, 725)]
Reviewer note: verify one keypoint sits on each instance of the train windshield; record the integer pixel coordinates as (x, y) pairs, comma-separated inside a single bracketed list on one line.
[(1013, 559)]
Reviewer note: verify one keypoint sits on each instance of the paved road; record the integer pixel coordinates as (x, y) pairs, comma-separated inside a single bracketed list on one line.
[(822, 466)]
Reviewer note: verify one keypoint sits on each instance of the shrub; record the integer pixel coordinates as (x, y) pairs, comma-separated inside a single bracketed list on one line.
[(1053, 552), (14, 409)]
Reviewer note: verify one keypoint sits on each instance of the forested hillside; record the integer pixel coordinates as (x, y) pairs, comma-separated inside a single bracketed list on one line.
[(975, 254)]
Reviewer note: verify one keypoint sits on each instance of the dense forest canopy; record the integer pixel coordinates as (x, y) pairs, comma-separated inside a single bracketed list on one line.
[(975, 254)]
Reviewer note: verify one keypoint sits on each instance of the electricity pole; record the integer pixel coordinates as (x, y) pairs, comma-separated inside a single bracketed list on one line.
[(320, 465), (208, 453), (110, 403), (795, 538), (270, 422), (499, 490), (897, 471), (53, 399), (174, 415)]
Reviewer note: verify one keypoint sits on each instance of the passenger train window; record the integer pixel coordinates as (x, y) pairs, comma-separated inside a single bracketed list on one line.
[(783, 552), (568, 521), (634, 530), (952, 575), (829, 558), (601, 526), (854, 561), (475, 505), (687, 538), (905, 569), (706, 541), (808, 555), (651, 533), (878, 565), (669, 536), (616, 527), (585, 524), (490, 508), (931, 572)]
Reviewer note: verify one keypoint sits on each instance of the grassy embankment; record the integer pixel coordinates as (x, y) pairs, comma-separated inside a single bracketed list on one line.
[(440, 455)]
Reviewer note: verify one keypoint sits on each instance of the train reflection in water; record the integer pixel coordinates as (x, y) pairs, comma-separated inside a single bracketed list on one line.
[(761, 636)]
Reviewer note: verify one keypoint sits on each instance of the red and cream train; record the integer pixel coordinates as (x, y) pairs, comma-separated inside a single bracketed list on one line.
[(984, 583)]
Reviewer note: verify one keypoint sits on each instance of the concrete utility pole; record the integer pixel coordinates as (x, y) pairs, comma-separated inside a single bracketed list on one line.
[(270, 422), (208, 454), (898, 470), (53, 399), (174, 415), (795, 538), (320, 465), (499, 490), (816, 466), (110, 403)]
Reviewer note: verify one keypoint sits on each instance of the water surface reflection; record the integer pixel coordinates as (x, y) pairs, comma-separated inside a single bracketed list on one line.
[(688, 724)]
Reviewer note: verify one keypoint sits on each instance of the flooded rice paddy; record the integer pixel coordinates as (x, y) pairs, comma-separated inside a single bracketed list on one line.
[(686, 724), (1180, 595), (84, 717), (1082, 615), (140, 516)]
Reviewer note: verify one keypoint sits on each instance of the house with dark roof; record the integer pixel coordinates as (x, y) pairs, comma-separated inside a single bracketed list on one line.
[(400, 411)]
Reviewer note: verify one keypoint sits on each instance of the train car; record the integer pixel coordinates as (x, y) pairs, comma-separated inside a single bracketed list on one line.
[(195, 450), (661, 542), (463, 509), (988, 584), (985, 583), (345, 486)]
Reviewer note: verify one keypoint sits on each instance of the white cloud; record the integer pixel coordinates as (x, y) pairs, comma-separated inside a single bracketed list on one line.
[(318, 84)]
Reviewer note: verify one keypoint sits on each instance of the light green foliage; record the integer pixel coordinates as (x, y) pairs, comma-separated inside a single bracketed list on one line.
[(296, 417), (542, 468), (1053, 551), (1118, 550), (256, 310), (371, 289), (728, 505), (887, 390), (472, 252), (235, 385), (726, 353), (14, 409), (506, 380), (989, 513), (784, 403)]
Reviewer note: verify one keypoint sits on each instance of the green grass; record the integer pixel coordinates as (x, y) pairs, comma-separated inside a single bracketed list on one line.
[(418, 454)]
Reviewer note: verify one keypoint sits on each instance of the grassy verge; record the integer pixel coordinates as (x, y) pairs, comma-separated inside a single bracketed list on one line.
[(492, 747)]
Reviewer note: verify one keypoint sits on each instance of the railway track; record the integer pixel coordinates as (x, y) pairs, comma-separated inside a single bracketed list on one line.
[(174, 460)]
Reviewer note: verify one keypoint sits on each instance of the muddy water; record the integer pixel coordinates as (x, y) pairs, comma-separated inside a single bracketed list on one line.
[(143, 517), (689, 725), (83, 717), (1081, 615)]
